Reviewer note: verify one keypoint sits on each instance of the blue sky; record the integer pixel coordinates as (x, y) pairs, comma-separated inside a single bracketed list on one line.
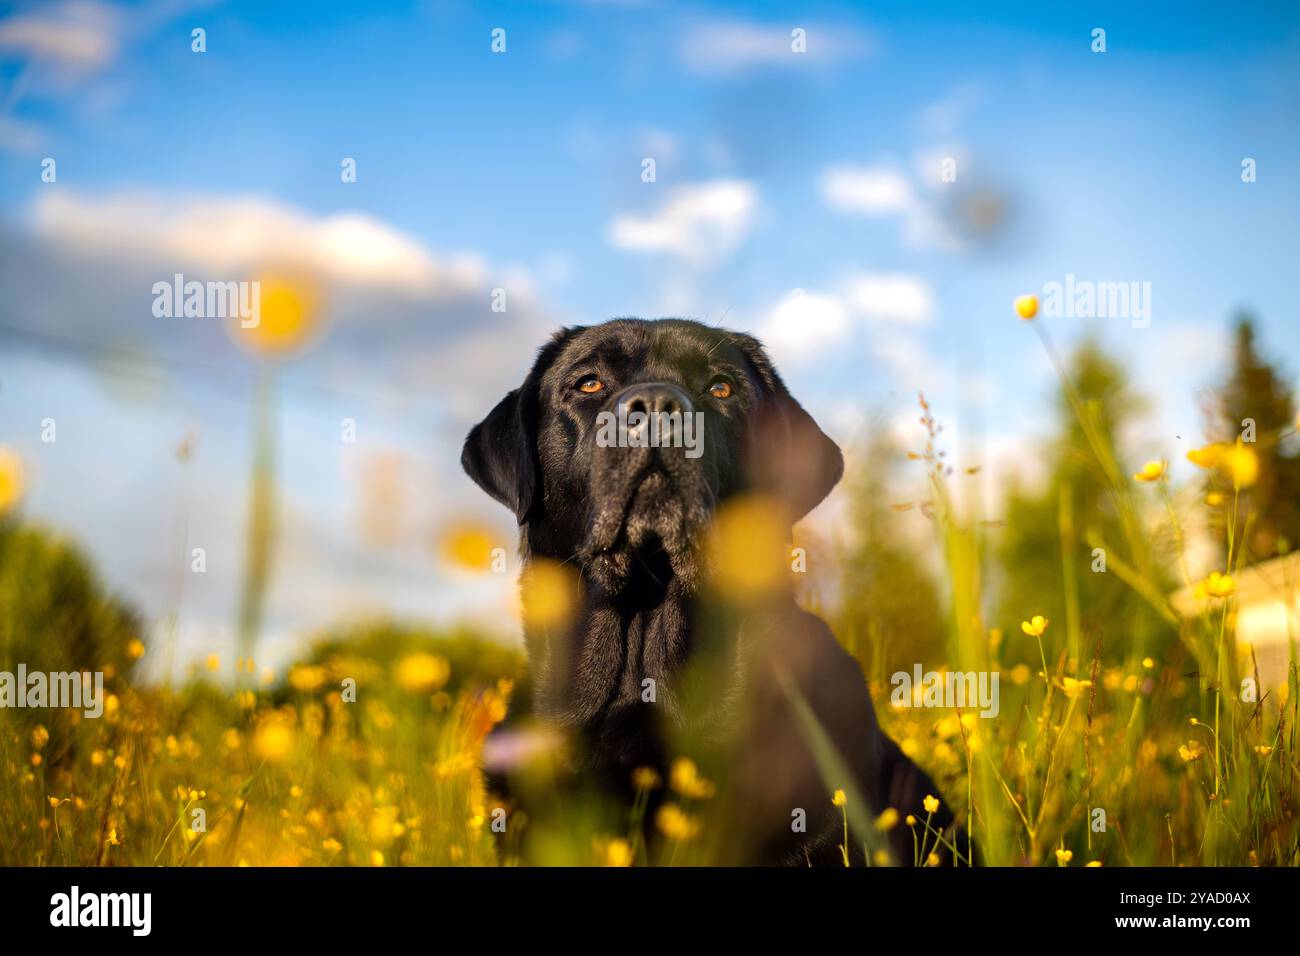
[(775, 172)]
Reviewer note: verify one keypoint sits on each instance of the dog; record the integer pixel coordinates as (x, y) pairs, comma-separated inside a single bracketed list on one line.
[(654, 658)]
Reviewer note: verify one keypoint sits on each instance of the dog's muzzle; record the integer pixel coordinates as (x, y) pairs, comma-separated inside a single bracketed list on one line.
[(648, 491)]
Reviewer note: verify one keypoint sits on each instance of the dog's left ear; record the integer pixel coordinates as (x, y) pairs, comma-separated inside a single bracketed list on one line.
[(794, 458), (500, 453)]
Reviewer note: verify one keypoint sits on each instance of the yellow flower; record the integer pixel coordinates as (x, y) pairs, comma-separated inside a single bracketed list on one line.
[(1020, 675), (910, 820), (747, 549), (273, 739), (135, 649), (676, 824), (1073, 688), (1092, 863), (286, 316), (1063, 857), (932, 859), (307, 677), (1214, 499), (40, 737), (1207, 457), (331, 844), (1263, 750), (213, 662), (616, 853), (1148, 663), (1151, 471), (1191, 752), (112, 839), (376, 858), (685, 779), (11, 479), (950, 726), (550, 594), (646, 778), (931, 803), (494, 706), (838, 798), (469, 546), (1026, 306), (1216, 586), (422, 672), (1242, 464), (887, 820), (1035, 626)]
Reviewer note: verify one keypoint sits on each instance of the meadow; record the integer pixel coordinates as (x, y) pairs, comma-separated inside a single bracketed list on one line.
[(1132, 729)]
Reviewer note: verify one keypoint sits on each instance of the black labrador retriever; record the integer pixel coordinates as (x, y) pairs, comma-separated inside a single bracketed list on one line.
[(656, 662)]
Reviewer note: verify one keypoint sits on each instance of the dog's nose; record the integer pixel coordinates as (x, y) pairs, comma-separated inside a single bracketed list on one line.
[(652, 398)]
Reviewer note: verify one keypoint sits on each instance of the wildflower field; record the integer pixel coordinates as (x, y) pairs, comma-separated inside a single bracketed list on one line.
[(1133, 728)]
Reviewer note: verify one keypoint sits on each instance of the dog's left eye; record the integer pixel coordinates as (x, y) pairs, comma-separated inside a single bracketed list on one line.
[(720, 388), (590, 384)]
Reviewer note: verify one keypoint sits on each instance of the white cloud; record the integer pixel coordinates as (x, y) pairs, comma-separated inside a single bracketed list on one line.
[(869, 191), (897, 298), (252, 233), (886, 190), (75, 36), (807, 324), (804, 324), (735, 45), (701, 222)]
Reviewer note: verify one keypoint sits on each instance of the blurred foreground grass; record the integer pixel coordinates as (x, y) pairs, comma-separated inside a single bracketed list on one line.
[(1130, 731)]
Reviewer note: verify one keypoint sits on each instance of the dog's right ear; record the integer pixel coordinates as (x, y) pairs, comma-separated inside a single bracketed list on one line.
[(500, 452), (500, 455)]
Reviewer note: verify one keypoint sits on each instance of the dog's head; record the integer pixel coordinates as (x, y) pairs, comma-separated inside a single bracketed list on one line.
[(626, 436)]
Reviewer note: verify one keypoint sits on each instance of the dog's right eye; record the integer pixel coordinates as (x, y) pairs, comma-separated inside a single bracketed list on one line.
[(589, 384)]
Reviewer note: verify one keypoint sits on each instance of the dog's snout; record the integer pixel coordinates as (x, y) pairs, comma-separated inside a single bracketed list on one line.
[(653, 398)]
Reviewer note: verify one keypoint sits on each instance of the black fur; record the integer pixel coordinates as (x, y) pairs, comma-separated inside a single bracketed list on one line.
[(630, 521)]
